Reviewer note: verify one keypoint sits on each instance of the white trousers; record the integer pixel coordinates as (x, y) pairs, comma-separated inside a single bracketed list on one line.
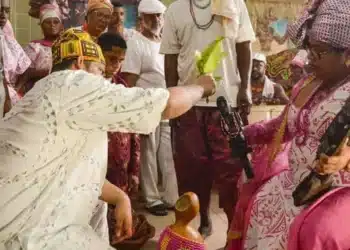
[(156, 153)]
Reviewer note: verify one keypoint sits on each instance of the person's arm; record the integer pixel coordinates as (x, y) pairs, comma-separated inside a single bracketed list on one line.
[(93, 104), (280, 94), (170, 47), (263, 132), (244, 39), (123, 212), (171, 73), (244, 63), (130, 78), (182, 99), (112, 194)]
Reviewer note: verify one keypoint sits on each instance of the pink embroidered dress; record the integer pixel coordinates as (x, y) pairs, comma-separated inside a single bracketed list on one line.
[(263, 173), (272, 210), (39, 52), (15, 60)]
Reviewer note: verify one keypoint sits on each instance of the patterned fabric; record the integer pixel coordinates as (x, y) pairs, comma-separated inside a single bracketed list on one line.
[(40, 55), (36, 4), (323, 226), (15, 60), (201, 149), (72, 12), (280, 69), (329, 20), (123, 153), (48, 199), (273, 210), (74, 43), (263, 173), (169, 240), (326, 239), (49, 11), (99, 4)]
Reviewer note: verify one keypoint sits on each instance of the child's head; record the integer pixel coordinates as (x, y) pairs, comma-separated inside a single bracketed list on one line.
[(114, 48)]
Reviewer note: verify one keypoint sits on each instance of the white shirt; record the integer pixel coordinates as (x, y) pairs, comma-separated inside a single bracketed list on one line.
[(142, 58), (181, 36), (128, 33), (269, 88), (53, 156)]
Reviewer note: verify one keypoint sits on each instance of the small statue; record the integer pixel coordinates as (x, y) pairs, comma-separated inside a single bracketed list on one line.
[(181, 235)]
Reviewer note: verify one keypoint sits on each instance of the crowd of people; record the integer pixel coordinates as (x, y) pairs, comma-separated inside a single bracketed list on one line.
[(96, 113)]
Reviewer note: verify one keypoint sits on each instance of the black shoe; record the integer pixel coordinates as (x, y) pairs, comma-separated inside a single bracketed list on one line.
[(206, 230), (158, 210)]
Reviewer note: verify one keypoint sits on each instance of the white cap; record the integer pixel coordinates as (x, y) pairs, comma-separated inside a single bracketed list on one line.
[(151, 7), (259, 57)]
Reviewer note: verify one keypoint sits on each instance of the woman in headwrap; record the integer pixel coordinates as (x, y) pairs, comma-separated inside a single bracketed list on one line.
[(39, 51), (324, 31)]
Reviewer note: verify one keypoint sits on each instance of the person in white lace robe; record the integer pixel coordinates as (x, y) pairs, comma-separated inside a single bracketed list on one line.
[(53, 149)]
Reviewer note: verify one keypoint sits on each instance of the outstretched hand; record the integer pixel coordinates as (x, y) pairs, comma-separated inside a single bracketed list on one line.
[(333, 164), (208, 83)]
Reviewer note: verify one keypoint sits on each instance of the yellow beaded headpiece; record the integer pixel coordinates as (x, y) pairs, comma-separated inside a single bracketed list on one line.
[(74, 43)]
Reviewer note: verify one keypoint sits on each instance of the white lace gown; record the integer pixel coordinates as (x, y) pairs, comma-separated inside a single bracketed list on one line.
[(53, 158)]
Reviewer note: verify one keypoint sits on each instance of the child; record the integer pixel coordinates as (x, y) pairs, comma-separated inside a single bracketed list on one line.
[(123, 149)]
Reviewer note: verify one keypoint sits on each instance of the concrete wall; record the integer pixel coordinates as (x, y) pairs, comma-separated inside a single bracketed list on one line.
[(25, 27)]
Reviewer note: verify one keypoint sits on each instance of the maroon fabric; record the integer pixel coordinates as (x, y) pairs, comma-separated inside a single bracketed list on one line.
[(123, 158), (43, 42), (123, 161), (123, 154), (202, 155)]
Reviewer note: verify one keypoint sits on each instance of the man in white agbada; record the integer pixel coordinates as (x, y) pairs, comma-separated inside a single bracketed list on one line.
[(53, 149), (201, 151), (144, 67), (263, 89)]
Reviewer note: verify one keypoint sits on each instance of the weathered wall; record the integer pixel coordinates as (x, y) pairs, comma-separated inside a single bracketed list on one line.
[(269, 19), (25, 27)]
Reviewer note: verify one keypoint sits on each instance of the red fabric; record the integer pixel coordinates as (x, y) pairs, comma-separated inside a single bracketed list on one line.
[(202, 155), (43, 42), (324, 225), (123, 154), (123, 162)]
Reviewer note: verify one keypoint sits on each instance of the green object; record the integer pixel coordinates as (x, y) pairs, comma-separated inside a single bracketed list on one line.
[(210, 58)]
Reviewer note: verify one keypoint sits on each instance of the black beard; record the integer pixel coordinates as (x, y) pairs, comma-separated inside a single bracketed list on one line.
[(256, 77)]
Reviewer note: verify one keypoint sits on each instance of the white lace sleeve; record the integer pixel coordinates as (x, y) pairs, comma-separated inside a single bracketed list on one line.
[(90, 102)]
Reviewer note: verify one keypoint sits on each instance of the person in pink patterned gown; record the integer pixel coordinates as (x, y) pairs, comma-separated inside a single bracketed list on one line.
[(39, 51), (305, 119), (14, 59)]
